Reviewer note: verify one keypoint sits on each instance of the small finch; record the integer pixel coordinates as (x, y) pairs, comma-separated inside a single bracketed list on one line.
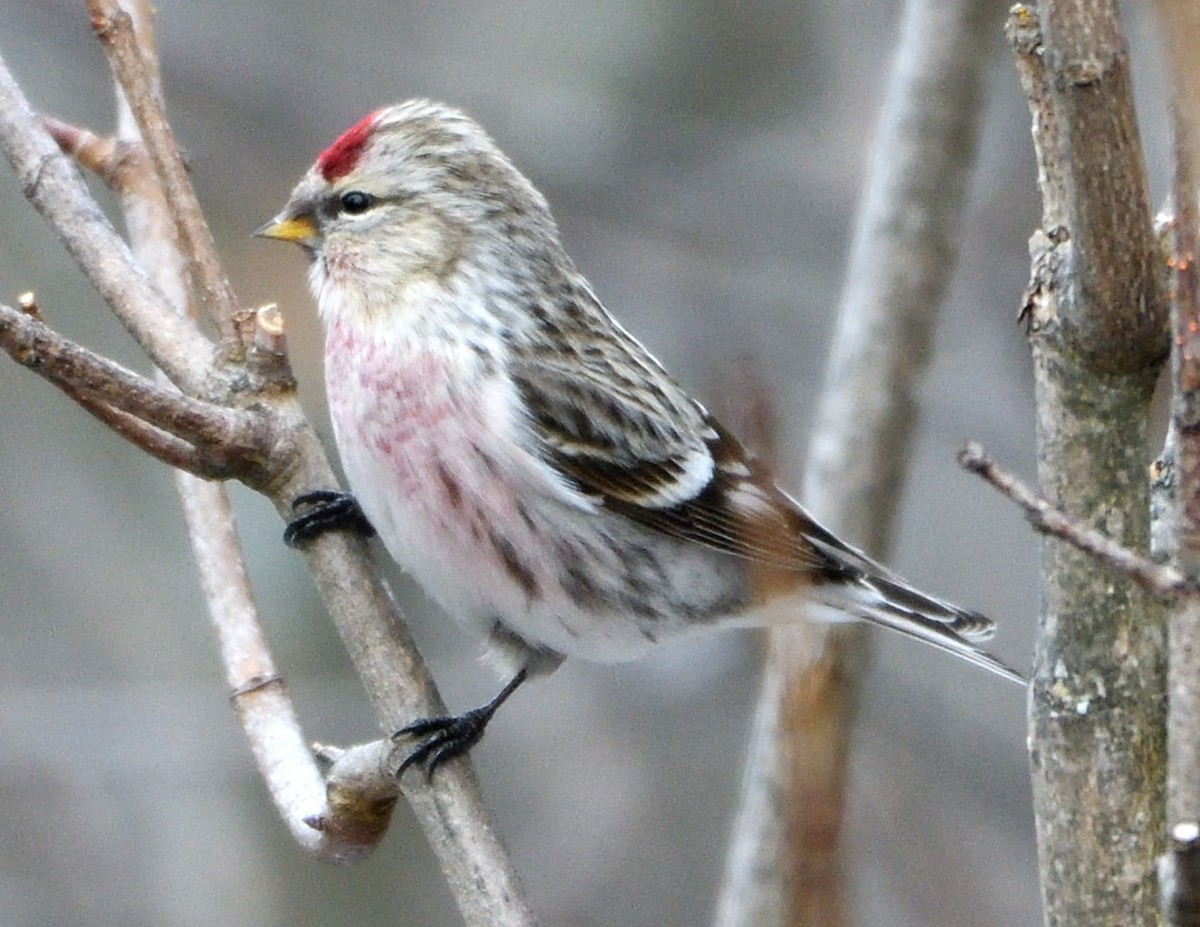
[(518, 452)]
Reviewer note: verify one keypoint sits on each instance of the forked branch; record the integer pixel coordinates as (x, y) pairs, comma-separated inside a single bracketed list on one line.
[(207, 440), (237, 414)]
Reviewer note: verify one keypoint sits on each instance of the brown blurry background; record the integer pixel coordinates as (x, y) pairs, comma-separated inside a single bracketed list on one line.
[(704, 160)]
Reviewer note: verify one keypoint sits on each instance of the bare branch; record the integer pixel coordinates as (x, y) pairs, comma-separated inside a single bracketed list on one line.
[(1093, 182), (52, 183), (1179, 867), (351, 829), (103, 155), (450, 810), (167, 448), (224, 442), (785, 864), (1096, 319), (114, 27), (1156, 578), (263, 707), (1179, 24)]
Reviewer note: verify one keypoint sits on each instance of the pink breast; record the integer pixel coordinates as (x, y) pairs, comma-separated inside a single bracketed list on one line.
[(406, 406)]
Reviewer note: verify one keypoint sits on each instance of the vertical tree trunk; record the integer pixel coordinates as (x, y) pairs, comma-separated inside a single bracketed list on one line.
[(1097, 328)]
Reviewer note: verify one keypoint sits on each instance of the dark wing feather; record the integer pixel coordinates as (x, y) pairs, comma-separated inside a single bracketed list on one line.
[(611, 419)]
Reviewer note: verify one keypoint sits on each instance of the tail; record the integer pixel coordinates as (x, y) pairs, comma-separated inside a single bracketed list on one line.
[(898, 607), (871, 592)]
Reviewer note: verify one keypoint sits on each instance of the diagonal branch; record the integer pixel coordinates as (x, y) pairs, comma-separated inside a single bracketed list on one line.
[(163, 422), (1156, 578), (53, 185), (115, 28)]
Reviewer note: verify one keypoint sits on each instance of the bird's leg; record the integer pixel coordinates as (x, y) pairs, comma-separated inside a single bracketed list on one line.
[(446, 738), (325, 510)]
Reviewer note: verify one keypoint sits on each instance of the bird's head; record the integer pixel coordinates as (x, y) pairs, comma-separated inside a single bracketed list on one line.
[(411, 191)]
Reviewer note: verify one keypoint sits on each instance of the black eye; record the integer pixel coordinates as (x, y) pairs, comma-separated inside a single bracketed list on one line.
[(355, 202)]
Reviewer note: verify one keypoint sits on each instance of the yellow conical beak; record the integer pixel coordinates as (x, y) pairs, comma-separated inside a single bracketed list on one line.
[(299, 229)]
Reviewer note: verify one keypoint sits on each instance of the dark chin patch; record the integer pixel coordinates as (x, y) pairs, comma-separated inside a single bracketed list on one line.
[(339, 159)]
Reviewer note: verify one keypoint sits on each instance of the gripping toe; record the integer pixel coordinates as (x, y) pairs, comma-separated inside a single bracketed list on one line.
[(325, 510)]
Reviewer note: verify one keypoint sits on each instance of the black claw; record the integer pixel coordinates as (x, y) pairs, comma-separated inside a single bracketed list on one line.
[(327, 510), (445, 738)]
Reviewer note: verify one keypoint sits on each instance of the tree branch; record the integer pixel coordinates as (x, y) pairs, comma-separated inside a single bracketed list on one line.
[(348, 830), (450, 809), (206, 439), (1096, 320), (1156, 578), (785, 864), (1179, 25), (263, 707), (53, 185), (115, 29)]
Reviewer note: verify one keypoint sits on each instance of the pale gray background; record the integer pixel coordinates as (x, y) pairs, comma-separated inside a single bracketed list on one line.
[(704, 160)]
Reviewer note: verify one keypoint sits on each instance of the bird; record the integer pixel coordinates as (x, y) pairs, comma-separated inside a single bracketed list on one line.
[(523, 456)]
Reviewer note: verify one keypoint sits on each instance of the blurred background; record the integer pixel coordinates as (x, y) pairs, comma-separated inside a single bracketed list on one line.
[(704, 160)]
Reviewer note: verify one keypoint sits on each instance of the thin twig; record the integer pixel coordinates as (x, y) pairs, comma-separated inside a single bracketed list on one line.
[(1157, 578), (100, 154), (114, 27), (172, 451), (1179, 25)]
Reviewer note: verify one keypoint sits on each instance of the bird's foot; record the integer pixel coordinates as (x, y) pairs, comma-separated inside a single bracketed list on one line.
[(325, 510), (443, 739)]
